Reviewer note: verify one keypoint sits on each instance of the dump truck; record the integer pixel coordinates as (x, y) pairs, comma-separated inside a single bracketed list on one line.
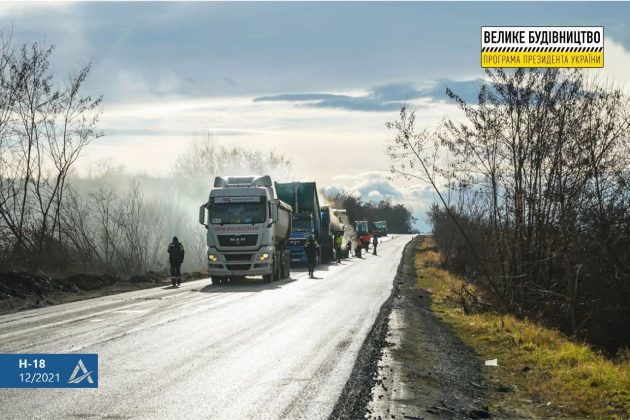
[(307, 219), (248, 229)]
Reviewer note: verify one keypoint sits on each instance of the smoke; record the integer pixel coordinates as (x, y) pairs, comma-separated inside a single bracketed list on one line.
[(165, 206)]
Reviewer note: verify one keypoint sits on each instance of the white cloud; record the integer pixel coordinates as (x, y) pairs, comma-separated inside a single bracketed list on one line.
[(17, 8), (375, 195), (377, 186), (616, 65)]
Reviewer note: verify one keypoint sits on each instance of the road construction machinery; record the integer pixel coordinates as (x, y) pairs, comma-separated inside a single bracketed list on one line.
[(363, 232)]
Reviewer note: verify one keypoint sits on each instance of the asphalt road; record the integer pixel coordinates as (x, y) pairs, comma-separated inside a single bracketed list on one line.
[(248, 350)]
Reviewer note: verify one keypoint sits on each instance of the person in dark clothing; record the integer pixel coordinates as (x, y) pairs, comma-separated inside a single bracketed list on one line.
[(312, 252), (375, 243), (175, 259)]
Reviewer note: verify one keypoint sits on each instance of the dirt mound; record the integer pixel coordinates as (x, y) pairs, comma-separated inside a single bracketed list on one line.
[(20, 290), (90, 281), (21, 284), (149, 277)]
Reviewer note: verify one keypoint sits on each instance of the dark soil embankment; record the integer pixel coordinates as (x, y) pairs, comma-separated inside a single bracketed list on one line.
[(411, 365), (25, 290)]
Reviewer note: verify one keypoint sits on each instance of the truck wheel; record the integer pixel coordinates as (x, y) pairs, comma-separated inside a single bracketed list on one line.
[(216, 280), (287, 266), (268, 278), (277, 267)]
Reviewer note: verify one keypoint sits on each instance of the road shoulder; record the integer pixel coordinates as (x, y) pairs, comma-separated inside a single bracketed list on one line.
[(411, 365)]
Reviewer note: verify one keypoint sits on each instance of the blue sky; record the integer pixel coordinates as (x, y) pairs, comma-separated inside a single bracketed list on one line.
[(315, 81)]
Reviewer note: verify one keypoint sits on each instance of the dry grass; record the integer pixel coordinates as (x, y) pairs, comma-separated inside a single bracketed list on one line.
[(549, 374)]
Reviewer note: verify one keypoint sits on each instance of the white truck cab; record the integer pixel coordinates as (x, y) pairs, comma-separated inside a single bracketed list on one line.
[(248, 229)]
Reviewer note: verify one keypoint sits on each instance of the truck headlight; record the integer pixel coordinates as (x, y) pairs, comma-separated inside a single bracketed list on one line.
[(263, 257), (213, 257)]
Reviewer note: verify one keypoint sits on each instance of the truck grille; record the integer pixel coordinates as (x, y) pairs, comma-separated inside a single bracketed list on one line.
[(238, 257), (237, 240), (238, 266)]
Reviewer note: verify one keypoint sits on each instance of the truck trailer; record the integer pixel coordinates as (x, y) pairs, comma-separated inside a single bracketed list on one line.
[(248, 229), (307, 219)]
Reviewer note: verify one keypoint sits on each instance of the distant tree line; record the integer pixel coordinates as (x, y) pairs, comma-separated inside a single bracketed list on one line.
[(534, 185), (398, 217)]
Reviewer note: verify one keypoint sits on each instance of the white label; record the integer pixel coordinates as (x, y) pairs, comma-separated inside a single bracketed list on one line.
[(253, 199)]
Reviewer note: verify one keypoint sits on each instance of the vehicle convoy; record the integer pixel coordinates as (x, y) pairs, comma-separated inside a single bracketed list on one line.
[(248, 229), (307, 220), (380, 228), (363, 232)]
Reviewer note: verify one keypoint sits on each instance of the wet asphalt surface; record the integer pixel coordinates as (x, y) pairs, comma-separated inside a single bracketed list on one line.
[(245, 350)]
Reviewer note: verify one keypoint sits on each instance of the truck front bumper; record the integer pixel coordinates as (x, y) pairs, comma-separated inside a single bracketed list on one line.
[(241, 269)]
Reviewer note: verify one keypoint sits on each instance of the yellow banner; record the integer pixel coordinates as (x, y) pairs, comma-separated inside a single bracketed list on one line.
[(519, 59)]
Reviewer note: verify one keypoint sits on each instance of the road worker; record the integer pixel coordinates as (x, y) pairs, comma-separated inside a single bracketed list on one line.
[(375, 243), (338, 244), (312, 252), (175, 259)]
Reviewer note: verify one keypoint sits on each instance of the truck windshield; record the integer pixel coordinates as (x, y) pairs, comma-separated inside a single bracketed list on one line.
[(237, 213), (361, 226), (302, 225)]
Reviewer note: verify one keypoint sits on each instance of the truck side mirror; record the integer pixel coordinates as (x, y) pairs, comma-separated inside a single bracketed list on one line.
[(273, 208), (202, 215)]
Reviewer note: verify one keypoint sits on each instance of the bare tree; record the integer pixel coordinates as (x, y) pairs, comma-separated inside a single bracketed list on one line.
[(44, 133), (540, 167)]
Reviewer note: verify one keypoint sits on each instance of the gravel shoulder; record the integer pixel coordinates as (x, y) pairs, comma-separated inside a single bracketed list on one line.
[(411, 365)]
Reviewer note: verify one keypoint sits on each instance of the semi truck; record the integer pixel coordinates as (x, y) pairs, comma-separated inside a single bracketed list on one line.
[(248, 229), (307, 220)]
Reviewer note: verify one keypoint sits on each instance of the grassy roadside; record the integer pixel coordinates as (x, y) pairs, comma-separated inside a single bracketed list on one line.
[(540, 372)]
